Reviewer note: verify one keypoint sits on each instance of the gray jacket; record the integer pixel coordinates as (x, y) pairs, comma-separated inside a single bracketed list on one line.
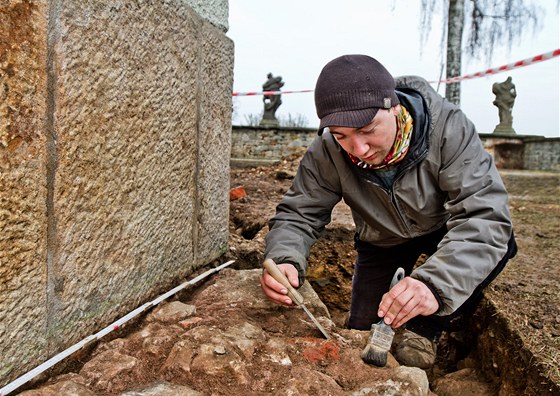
[(446, 178)]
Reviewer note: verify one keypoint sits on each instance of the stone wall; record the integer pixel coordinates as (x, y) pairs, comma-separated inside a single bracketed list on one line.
[(507, 151), (114, 117), (254, 145), (261, 145), (543, 154), (527, 152)]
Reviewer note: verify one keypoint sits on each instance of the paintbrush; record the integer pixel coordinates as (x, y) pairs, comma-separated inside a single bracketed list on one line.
[(381, 335)]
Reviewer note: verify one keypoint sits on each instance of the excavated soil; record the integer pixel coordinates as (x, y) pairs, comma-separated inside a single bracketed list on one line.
[(222, 337), (514, 341)]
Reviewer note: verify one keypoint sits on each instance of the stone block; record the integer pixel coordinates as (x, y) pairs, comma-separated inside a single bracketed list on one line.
[(216, 82), (214, 11), (542, 154), (106, 109), (23, 186), (126, 124)]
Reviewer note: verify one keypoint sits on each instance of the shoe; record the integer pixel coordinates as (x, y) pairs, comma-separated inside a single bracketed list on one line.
[(413, 350)]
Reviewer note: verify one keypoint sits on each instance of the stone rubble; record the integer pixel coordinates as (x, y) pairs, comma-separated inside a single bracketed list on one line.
[(230, 340)]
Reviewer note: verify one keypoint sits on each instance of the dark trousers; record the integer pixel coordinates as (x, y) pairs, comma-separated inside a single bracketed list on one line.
[(375, 267)]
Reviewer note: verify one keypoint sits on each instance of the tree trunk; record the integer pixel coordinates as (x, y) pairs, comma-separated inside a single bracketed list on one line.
[(455, 24)]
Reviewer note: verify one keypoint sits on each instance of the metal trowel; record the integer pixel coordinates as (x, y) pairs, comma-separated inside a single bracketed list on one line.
[(275, 272)]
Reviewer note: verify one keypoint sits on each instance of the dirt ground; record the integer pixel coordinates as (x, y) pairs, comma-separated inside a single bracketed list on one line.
[(223, 337), (516, 334)]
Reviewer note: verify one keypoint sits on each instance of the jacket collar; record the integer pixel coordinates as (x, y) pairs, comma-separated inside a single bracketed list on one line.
[(416, 105)]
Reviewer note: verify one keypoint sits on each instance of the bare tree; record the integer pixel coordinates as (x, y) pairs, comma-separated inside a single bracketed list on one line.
[(455, 27), (490, 23)]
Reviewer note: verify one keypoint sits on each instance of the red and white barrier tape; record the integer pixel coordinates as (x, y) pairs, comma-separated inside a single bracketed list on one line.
[(509, 66), (496, 70)]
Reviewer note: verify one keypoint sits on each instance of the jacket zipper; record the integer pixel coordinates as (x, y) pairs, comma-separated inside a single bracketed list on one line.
[(390, 193), (392, 201), (399, 176)]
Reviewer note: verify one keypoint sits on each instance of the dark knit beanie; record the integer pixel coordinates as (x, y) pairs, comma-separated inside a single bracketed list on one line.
[(350, 90)]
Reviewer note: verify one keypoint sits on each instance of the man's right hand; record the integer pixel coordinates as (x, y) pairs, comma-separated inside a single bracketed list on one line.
[(273, 290)]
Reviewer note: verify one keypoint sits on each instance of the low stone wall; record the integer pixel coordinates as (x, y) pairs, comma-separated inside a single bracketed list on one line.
[(506, 150), (261, 145), (114, 117), (543, 154), (254, 145), (523, 151)]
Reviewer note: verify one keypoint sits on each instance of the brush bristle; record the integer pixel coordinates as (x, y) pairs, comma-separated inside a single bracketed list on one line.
[(379, 342), (375, 355)]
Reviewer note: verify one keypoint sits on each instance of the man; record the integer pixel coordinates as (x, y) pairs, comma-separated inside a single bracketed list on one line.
[(411, 167)]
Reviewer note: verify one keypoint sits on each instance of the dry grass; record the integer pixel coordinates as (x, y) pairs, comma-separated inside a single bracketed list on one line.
[(527, 292)]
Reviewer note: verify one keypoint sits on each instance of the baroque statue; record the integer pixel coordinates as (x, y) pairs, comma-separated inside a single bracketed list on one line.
[(271, 101), (505, 97)]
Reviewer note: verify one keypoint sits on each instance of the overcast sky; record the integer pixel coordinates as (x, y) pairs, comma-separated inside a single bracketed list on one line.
[(295, 39)]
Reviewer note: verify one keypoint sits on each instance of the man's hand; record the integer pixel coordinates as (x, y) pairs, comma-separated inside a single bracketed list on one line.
[(273, 290), (407, 299)]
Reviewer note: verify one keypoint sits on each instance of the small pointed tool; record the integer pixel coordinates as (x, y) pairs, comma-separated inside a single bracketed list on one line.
[(381, 335), (275, 272)]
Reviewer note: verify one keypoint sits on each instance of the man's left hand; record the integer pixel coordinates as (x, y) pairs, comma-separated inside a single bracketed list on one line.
[(407, 299)]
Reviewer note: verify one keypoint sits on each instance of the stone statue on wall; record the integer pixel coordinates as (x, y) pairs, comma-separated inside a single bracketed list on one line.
[(271, 102), (505, 98)]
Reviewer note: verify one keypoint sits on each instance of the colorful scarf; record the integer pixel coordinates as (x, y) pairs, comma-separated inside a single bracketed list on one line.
[(400, 146)]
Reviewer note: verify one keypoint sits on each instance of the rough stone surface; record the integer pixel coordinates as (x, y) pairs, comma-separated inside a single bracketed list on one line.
[(126, 124), (114, 121), (215, 11), (163, 388), (126, 160), (269, 143), (214, 125), (72, 384), (111, 371), (172, 312), (23, 188), (415, 377), (542, 155), (243, 344)]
